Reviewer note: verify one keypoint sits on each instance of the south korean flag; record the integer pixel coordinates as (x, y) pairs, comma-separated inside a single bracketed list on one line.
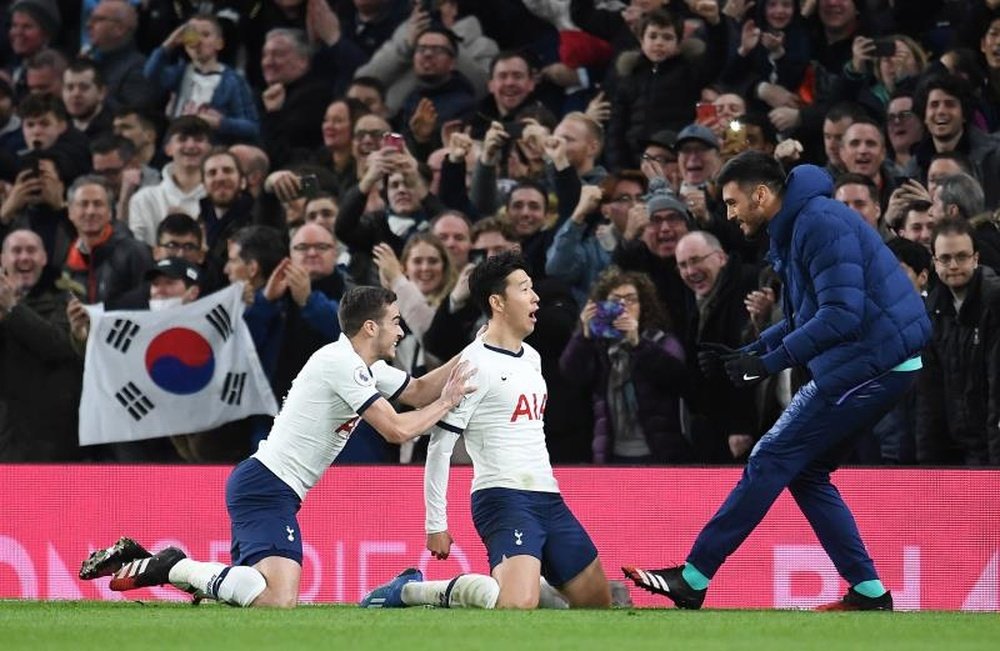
[(176, 371)]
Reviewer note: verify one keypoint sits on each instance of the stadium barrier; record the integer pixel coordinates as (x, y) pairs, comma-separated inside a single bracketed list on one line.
[(361, 525)]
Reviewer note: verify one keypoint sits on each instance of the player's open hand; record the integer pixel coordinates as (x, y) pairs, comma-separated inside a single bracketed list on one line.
[(439, 544), (458, 384)]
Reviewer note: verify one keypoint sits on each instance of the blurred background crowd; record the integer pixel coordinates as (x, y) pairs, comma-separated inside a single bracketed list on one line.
[(154, 151)]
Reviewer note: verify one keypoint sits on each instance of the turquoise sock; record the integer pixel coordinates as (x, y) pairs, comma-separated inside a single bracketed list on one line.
[(872, 589), (694, 578)]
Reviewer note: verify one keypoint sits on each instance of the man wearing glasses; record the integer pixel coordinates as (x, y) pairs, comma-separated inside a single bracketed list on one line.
[(720, 285), (441, 94), (295, 314), (957, 412)]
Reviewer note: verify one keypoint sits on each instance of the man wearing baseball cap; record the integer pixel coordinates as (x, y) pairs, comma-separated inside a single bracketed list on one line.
[(172, 282)]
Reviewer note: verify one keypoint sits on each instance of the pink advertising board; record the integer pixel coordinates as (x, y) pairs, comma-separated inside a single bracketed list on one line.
[(362, 524)]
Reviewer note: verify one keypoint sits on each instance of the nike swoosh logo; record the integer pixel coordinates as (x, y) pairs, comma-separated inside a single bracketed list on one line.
[(750, 378)]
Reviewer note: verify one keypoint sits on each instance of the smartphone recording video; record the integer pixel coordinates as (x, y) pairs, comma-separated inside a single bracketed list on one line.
[(394, 140), (309, 186), (706, 112), (884, 48), (601, 325)]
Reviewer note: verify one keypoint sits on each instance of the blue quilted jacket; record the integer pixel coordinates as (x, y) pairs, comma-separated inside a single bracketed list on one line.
[(851, 313)]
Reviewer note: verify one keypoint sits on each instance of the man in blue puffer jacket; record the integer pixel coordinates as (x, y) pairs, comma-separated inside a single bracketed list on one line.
[(855, 321)]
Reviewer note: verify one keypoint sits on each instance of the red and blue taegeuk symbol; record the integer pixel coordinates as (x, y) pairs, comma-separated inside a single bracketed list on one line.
[(180, 361)]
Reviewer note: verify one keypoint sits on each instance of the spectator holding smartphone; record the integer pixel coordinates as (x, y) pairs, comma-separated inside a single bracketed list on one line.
[(624, 353)]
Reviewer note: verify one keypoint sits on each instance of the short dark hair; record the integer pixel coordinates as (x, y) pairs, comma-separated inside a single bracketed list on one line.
[(80, 65), (754, 168), (506, 55), (190, 126), (452, 37), (842, 110), (913, 255), (762, 122), (179, 223), (35, 105), (374, 83), (960, 159), (490, 277), (850, 178), (952, 226), (108, 143), (360, 304), (146, 118), (265, 245), (661, 18), (528, 184), (916, 205)]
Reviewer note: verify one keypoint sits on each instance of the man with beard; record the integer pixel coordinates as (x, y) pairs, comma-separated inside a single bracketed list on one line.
[(442, 93), (856, 323), (226, 208), (84, 92), (40, 373)]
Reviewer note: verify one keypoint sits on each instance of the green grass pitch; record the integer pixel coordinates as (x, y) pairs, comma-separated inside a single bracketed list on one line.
[(154, 625)]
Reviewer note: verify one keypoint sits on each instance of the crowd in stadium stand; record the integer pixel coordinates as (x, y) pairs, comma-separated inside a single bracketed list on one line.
[(306, 146)]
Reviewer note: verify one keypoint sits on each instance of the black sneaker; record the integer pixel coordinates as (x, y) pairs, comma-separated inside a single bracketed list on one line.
[(668, 582), (109, 560), (146, 572), (854, 600)]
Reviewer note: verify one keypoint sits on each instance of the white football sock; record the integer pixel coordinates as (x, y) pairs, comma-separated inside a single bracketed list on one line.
[(237, 585), (464, 591)]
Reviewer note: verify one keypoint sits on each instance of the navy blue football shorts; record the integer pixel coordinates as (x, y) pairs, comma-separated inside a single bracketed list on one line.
[(262, 512), (517, 522)]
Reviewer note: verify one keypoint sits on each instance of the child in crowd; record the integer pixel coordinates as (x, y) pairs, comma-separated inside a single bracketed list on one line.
[(203, 86)]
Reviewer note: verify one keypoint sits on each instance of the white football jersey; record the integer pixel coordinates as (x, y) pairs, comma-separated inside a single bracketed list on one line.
[(503, 420), (321, 410)]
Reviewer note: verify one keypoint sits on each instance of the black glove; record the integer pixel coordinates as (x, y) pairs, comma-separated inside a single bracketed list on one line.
[(712, 357), (745, 370)]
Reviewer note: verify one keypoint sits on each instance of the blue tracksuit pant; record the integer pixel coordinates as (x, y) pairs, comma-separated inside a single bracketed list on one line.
[(807, 443)]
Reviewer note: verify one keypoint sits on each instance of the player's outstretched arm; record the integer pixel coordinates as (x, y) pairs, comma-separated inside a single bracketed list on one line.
[(399, 428), (426, 388), (436, 473)]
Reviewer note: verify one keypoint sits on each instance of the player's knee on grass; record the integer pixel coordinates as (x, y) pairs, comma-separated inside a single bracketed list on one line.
[(589, 589), (282, 577)]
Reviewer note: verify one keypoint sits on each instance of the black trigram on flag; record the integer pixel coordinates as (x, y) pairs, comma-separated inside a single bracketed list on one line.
[(232, 389), (121, 334), (134, 401), (219, 317)]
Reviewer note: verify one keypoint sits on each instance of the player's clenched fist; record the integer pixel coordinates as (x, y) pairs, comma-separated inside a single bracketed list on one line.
[(439, 544)]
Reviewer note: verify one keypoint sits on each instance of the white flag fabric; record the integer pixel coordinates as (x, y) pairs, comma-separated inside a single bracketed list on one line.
[(176, 371)]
